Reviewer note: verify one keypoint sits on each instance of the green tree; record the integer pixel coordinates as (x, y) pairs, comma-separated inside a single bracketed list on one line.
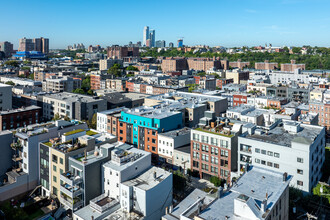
[(66, 118), (10, 83), (325, 194), (90, 92), (93, 122), (86, 83), (79, 91), (56, 117), (12, 63), (201, 74), (192, 87), (115, 70), (132, 68), (296, 49), (31, 76), (216, 181)]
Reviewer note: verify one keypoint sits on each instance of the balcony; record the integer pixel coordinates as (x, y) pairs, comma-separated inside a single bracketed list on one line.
[(246, 159), (70, 178), (102, 203), (71, 191), (71, 204)]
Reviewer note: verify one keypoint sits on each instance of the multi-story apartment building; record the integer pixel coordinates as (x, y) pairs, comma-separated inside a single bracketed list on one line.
[(116, 84), (169, 141), (141, 126), (192, 105), (5, 97), (237, 75), (203, 64), (252, 197), (25, 44), (290, 67), (36, 44), (118, 52), (98, 80), (323, 111), (208, 84), (77, 189), (107, 121), (291, 147), (126, 163), (75, 106), (174, 64), (214, 150), (61, 84), (21, 117), (107, 63), (288, 78), (258, 87), (266, 65), (25, 173), (239, 64), (298, 94), (7, 48), (240, 98), (7, 153)]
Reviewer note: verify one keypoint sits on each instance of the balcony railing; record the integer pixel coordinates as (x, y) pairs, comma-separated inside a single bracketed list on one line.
[(72, 204), (69, 178), (71, 191)]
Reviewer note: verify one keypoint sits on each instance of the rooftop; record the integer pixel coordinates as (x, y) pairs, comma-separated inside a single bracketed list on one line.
[(282, 134), (73, 97), (23, 109), (252, 188), (178, 132), (147, 181)]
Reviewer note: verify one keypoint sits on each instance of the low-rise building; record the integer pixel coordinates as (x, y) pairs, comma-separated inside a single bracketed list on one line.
[(61, 84)]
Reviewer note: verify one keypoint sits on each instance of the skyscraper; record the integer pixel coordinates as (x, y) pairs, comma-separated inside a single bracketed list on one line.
[(25, 44), (180, 43), (152, 38), (146, 35), (36, 44), (7, 48)]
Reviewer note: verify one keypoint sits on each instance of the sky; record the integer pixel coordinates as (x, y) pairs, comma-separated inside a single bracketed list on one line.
[(226, 23)]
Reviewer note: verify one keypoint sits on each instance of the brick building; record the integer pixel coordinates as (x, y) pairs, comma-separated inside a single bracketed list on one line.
[(239, 99), (96, 81), (214, 150), (174, 64), (266, 65), (323, 109), (239, 64), (118, 52), (290, 67), (203, 64), (16, 118)]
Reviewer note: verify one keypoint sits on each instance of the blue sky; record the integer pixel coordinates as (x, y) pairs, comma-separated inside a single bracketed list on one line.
[(210, 22)]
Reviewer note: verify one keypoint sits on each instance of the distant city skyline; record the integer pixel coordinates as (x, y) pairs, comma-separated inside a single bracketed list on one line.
[(214, 23)]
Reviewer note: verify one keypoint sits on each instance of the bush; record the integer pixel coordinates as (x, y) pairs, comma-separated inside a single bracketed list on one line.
[(216, 181)]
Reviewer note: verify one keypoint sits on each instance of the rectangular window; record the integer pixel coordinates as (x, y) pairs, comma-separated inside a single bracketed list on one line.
[(269, 153), (263, 162), (270, 164), (276, 165), (257, 160), (54, 158), (54, 179), (257, 150), (54, 168), (263, 151), (300, 183), (61, 160), (300, 171), (300, 160), (277, 155)]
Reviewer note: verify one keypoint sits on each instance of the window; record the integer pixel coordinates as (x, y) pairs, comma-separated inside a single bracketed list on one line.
[(54, 158), (61, 160), (263, 151), (277, 155), (269, 153), (61, 171), (153, 149), (276, 165), (54, 179), (300, 160), (263, 162), (270, 164), (300, 183), (54, 168), (54, 190), (300, 171), (153, 141), (257, 160)]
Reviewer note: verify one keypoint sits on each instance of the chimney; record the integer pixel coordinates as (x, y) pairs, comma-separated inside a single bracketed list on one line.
[(263, 207), (155, 175), (285, 176)]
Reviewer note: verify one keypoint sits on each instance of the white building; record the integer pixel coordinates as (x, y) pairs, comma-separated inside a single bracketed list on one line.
[(168, 141), (291, 147), (126, 163), (288, 78), (150, 193), (258, 194)]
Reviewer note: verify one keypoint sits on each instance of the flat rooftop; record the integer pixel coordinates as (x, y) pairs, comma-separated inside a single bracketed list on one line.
[(146, 180), (178, 132), (253, 186), (73, 97), (279, 135), (158, 112), (24, 109)]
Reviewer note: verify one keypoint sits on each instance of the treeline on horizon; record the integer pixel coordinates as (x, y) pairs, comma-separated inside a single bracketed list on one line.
[(316, 58)]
